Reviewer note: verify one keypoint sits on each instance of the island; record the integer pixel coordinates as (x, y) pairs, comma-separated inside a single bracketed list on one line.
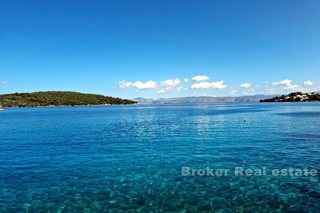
[(58, 98), (295, 97)]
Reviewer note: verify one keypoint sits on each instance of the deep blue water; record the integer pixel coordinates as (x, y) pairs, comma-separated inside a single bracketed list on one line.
[(121, 158)]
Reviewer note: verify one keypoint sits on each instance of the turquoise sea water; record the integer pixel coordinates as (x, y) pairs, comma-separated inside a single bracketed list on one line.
[(130, 158)]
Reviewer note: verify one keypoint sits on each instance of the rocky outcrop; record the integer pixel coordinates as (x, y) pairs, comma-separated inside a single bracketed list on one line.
[(295, 97)]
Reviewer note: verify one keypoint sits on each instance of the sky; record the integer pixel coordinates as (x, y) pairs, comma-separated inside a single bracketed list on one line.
[(160, 48)]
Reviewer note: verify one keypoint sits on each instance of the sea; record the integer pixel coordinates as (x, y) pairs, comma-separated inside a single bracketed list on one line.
[(232, 157)]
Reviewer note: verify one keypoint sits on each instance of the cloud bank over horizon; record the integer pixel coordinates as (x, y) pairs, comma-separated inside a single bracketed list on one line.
[(203, 83)]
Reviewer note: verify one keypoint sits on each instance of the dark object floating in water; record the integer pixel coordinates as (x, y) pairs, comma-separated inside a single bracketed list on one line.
[(295, 97)]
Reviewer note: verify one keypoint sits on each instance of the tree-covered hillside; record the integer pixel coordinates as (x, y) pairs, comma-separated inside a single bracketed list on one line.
[(295, 97), (57, 98)]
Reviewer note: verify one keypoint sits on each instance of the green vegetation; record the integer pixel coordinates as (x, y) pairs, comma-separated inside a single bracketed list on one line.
[(295, 97), (58, 98)]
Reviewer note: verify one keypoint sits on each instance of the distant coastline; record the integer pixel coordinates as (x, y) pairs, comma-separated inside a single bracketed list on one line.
[(202, 99), (76, 99), (295, 97), (59, 99)]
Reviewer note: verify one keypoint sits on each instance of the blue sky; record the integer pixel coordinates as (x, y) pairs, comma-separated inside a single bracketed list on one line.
[(149, 48)]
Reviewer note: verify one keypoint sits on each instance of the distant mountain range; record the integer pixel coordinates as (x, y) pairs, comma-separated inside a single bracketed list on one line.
[(202, 99)]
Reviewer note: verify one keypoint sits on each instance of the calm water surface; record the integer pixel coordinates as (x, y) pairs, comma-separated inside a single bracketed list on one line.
[(122, 158)]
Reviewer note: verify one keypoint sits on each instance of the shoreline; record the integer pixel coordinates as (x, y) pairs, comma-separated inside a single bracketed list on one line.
[(56, 106), (135, 104)]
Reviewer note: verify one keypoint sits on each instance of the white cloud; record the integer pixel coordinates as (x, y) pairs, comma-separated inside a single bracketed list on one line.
[(124, 84), (308, 83), (233, 91), (208, 85), (186, 80), (284, 83), (249, 92), (287, 84), (170, 83), (143, 86), (161, 91), (245, 85), (200, 78), (292, 87)]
